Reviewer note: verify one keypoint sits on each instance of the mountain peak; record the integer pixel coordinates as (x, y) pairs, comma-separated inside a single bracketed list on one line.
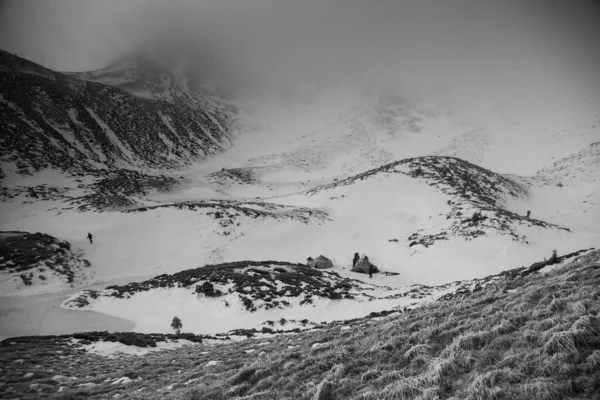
[(165, 68)]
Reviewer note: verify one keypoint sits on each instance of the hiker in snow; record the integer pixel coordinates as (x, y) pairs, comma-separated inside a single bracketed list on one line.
[(370, 270), (89, 236), (528, 213), (355, 259)]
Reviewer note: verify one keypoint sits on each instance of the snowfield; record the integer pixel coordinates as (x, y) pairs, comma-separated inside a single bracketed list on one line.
[(330, 178)]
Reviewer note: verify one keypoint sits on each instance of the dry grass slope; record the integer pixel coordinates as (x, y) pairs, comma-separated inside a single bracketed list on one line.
[(538, 338)]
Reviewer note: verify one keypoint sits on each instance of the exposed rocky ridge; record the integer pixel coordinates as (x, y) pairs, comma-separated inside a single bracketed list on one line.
[(231, 176), (50, 119), (30, 260), (477, 197), (227, 211), (257, 284)]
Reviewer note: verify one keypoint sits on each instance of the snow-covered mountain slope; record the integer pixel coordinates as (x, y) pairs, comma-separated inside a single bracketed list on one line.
[(476, 197), (567, 192), (340, 134), (62, 121), (292, 184), (171, 237), (433, 219), (583, 166), (414, 217)]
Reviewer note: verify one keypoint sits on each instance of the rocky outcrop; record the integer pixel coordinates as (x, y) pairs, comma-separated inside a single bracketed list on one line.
[(33, 260), (257, 284)]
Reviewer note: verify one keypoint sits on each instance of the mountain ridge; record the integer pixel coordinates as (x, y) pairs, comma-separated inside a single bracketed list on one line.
[(477, 197), (55, 120)]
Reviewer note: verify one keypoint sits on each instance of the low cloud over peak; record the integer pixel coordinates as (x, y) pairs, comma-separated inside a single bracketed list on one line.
[(463, 48)]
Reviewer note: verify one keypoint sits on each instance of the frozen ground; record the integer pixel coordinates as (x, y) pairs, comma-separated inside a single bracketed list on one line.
[(293, 148)]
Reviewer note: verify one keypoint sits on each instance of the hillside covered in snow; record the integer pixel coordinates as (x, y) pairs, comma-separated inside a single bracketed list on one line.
[(300, 200), (195, 176)]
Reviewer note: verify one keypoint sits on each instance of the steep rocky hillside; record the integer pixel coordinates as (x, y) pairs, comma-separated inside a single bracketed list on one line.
[(37, 262), (477, 197), (87, 122)]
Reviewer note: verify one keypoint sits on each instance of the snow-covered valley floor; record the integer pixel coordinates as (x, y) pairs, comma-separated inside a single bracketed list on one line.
[(254, 202)]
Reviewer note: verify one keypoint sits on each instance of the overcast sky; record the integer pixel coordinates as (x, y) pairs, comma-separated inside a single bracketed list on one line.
[(422, 45)]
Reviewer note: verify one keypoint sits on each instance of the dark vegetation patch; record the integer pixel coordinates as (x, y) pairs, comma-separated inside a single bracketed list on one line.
[(127, 338), (229, 211), (39, 192), (120, 189), (228, 176), (111, 190), (257, 283), (37, 255)]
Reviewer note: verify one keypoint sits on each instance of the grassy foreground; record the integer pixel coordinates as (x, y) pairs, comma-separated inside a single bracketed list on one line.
[(535, 337)]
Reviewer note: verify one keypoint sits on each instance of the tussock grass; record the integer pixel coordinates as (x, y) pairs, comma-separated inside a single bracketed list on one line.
[(540, 342), (419, 350), (325, 391), (592, 363), (537, 389), (403, 390), (562, 344)]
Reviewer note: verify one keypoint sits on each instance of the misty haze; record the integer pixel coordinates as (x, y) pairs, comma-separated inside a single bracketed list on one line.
[(310, 199)]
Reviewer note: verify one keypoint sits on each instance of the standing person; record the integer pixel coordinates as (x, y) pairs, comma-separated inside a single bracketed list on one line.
[(370, 270), (89, 236), (355, 259), (528, 213)]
